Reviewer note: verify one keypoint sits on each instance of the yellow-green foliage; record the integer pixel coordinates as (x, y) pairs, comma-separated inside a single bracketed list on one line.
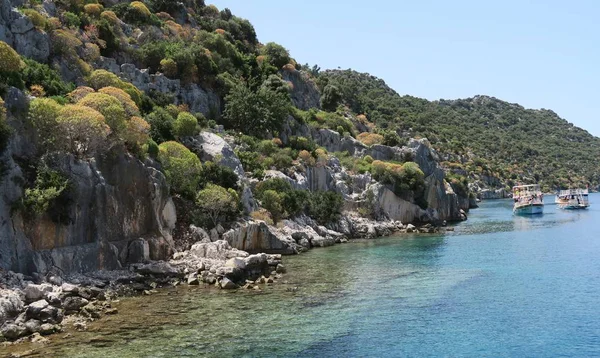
[(103, 78), (370, 138), (137, 133), (262, 215), (78, 93), (128, 104), (91, 52), (10, 61), (182, 167), (169, 67), (65, 42), (110, 107), (110, 16), (185, 124), (93, 9), (81, 130), (36, 18), (140, 9), (43, 114), (403, 177)]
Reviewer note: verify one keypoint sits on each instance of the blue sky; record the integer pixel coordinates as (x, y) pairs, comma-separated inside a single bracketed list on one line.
[(540, 54)]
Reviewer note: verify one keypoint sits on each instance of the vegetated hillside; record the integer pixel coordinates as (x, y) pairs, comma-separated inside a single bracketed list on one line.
[(482, 135)]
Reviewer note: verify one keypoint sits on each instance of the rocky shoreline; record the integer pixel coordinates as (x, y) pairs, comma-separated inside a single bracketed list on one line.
[(32, 307)]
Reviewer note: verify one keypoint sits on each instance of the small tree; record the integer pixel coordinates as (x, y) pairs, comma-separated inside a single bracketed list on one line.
[(217, 203), (325, 206), (161, 123), (273, 202), (182, 167), (185, 125), (10, 61), (110, 107), (277, 55), (81, 130), (256, 113), (43, 114), (128, 104), (331, 98)]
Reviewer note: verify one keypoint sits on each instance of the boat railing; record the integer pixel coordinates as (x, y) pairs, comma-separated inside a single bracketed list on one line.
[(573, 192)]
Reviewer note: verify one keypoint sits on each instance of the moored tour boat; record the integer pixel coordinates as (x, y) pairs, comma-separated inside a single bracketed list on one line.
[(528, 199), (573, 199)]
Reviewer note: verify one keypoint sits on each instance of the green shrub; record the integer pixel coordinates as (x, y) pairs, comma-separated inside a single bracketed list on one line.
[(152, 149), (218, 174), (217, 203), (43, 114), (331, 98), (182, 167), (276, 54), (81, 130), (325, 206), (71, 20), (161, 125), (36, 73), (256, 113), (36, 18), (110, 107), (50, 187), (185, 125), (403, 177), (10, 67), (273, 203)]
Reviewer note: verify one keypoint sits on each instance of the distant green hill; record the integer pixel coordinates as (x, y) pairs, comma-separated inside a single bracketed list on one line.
[(482, 135)]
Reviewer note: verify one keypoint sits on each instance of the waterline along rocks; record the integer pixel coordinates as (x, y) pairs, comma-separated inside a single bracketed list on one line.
[(158, 143)]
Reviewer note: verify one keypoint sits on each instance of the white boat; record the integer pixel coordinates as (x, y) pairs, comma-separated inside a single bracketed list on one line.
[(528, 199), (573, 199)]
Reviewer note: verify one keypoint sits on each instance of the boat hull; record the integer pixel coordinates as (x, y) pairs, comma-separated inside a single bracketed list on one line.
[(572, 207), (533, 209)]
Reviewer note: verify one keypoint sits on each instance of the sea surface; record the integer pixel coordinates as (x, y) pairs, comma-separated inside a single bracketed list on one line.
[(499, 285)]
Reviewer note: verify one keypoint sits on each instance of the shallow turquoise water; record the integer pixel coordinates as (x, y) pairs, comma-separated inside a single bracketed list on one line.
[(498, 286)]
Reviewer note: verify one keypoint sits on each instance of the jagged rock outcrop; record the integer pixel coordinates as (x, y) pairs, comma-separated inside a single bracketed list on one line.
[(197, 98), (209, 146), (305, 93), (257, 236), (17, 30), (115, 203)]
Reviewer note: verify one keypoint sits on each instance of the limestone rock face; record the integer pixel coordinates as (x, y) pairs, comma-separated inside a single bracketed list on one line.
[(305, 93), (210, 146), (17, 30), (257, 236), (197, 98), (114, 201)]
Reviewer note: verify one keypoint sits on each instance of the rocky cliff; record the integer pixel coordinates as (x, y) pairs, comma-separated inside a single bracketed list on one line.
[(120, 212)]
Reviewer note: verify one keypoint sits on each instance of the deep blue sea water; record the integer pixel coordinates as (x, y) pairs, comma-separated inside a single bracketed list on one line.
[(499, 285)]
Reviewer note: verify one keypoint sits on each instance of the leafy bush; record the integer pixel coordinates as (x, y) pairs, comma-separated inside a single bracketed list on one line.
[(50, 187), (93, 9), (273, 203), (391, 138), (370, 138), (169, 67), (110, 107), (185, 125), (102, 78), (255, 113), (218, 174), (276, 54), (217, 203), (325, 206), (36, 18), (10, 65), (81, 130), (71, 20), (137, 133), (43, 114), (403, 177), (182, 167), (161, 123), (128, 104), (35, 73), (331, 98)]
